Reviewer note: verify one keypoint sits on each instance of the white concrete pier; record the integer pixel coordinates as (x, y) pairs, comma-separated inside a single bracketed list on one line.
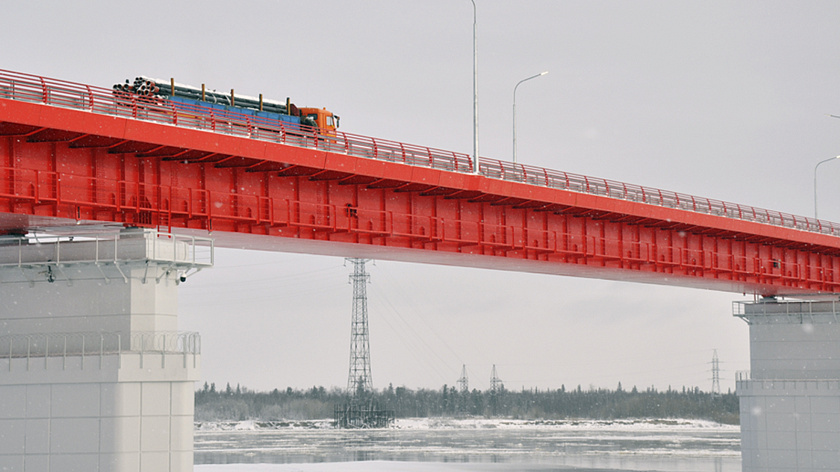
[(94, 375), (790, 401)]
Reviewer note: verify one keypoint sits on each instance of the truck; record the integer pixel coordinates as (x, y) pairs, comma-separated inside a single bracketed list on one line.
[(320, 120)]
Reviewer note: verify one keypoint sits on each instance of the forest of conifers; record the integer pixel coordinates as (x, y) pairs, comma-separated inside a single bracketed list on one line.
[(234, 404)]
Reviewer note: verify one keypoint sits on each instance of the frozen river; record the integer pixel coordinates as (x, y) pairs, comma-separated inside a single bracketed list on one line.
[(417, 445)]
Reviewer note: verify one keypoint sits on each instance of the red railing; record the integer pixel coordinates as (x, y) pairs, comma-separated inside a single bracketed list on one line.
[(31, 88)]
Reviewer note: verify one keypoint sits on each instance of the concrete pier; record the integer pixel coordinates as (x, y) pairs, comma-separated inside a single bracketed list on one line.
[(790, 400), (94, 375)]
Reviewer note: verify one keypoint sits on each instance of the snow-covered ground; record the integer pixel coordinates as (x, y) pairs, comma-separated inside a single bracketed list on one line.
[(622, 424), (643, 424)]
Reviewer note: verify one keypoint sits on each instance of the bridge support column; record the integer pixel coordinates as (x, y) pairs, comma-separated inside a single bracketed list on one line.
[(790, 401), (93, 374)]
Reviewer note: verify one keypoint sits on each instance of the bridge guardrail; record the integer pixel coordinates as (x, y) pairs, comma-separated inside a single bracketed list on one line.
[(802, 310), (96, 345), (32, 88), (813, 384), (193, 251)]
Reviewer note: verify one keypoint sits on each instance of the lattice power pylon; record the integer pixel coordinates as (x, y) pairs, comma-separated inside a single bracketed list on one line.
[(496, 384), (464, 381), (715, 375), (359, 379), (496, 388)]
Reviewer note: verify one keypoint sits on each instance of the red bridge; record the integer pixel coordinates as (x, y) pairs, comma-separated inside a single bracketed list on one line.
[(74, 154)]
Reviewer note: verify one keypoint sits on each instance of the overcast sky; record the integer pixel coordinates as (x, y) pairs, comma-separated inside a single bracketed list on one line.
[(721, 99)]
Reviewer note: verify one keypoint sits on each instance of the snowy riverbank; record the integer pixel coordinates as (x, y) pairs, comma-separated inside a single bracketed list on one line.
[(479, 423)]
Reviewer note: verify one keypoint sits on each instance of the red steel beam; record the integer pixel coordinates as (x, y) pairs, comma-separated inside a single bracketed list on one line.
[(67, 166)]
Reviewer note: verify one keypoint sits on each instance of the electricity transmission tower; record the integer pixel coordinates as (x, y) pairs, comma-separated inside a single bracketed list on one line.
[(464, 382), (464, 389), (715, 375), (359, 381), (360, 411), (496, 385)]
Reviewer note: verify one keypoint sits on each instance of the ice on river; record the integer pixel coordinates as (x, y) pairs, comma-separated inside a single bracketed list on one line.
[(458, 445), (366, 466)]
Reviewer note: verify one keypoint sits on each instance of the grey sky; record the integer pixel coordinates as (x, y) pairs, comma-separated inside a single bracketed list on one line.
[(722, 99)]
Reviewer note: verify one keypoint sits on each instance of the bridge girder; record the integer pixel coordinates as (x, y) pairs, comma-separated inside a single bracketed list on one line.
[(61, 166)]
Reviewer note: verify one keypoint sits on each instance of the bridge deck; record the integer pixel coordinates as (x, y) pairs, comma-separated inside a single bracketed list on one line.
[(72, 153)]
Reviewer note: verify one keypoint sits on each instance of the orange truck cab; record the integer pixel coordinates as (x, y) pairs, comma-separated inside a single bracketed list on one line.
[(327, 122)]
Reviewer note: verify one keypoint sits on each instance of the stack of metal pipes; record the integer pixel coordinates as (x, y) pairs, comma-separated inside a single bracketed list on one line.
[(147, 87), (141, 86)]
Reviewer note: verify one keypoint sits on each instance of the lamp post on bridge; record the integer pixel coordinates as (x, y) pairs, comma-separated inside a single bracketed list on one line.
[(514, 108), (475, 92), (815, 182)]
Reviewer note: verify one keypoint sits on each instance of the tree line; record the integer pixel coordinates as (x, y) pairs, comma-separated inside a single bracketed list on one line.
[(240, 403)]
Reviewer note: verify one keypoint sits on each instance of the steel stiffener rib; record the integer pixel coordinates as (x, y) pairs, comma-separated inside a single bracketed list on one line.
[(134, 172)]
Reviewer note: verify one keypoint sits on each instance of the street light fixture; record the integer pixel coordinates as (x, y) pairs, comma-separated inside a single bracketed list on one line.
[(475, 93), (514, 109), (815, 182)]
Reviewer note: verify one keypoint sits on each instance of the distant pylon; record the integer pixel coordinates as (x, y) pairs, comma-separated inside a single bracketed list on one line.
[(715, 375), (464, 382), (496, 384), (359, 380)]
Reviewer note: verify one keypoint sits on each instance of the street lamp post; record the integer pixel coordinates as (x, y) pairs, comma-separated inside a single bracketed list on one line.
[(475, 93), (815, 182), (514, 109)]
